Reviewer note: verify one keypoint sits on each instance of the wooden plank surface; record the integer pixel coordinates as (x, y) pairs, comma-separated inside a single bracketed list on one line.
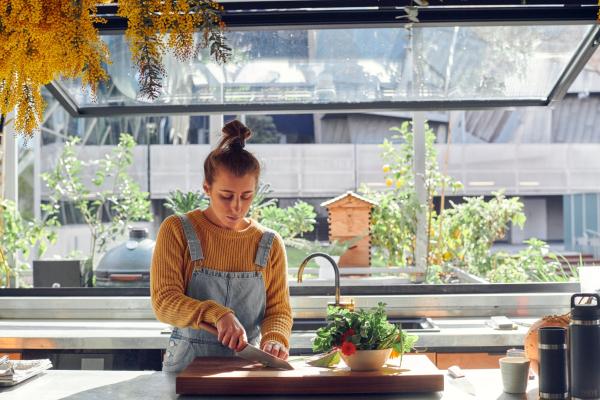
[(469, 360), (235, 376)]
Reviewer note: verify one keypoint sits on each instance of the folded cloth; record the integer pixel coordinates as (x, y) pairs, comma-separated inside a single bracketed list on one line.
[(15, 371)]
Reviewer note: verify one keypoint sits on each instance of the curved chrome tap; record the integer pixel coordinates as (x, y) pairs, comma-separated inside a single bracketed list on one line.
[(337, 277)]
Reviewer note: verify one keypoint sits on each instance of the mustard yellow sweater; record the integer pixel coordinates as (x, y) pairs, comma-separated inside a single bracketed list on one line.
[(223, 250)]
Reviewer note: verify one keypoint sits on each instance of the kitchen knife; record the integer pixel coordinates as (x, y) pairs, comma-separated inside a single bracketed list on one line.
[(253, 353), (460, 380)]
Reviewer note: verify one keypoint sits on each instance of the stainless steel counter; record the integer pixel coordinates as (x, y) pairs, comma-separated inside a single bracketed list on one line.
[(426, 305), (133, 385), (113, 323), (17, 334)]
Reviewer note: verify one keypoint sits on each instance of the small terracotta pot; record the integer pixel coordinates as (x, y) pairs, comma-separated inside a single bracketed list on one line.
[(366, 360)]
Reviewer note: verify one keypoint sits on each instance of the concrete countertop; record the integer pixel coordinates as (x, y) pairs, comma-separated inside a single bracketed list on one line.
[(19, 334), (133, 385)]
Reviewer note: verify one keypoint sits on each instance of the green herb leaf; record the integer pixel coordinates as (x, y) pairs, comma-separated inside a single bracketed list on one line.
[(366, 329)]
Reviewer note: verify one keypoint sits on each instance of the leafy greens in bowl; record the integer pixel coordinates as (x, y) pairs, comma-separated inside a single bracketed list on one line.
[(350, 331)]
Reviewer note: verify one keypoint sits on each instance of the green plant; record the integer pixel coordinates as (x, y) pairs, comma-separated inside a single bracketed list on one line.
[(393, 225), (20, 235), (361, 330), (471, 228), (394, 219), (533, 264), (260, 201), (291, 221), (117, 199), (182, 202), (460, 236)]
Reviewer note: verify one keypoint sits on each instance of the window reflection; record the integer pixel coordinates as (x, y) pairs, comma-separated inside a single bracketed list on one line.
[(357, 66)]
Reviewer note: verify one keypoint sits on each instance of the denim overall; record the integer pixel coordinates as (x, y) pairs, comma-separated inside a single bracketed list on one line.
[(243, 292)]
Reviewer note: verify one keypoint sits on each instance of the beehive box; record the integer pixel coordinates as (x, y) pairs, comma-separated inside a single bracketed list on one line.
[(349, 217)]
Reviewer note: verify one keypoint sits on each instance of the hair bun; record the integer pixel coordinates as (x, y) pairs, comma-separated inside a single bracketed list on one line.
[(235, 134)]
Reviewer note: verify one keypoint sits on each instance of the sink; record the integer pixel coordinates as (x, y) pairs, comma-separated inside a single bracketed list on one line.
[(410, 324)]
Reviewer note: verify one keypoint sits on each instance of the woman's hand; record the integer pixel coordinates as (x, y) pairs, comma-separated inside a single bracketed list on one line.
[(276, 349), (231, 332)]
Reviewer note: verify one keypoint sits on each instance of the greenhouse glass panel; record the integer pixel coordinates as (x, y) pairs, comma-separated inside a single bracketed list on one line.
[(356, 66)]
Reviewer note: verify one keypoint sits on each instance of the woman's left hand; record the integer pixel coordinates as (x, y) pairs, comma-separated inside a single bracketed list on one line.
[(276, 349)]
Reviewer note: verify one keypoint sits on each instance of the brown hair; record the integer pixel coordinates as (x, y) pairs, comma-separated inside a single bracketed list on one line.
[(230, 153)]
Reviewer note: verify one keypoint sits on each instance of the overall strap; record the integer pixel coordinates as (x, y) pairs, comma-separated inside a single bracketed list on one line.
[(192, 238), (264, 248)]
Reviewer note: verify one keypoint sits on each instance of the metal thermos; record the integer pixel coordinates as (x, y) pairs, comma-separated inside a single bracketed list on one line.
[(584, 346), (553, 370)]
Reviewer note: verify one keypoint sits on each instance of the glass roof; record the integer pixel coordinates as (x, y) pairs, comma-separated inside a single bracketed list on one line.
[(355, 67)]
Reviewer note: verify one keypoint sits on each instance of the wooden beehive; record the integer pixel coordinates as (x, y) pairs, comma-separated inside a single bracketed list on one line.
[(349, 218)]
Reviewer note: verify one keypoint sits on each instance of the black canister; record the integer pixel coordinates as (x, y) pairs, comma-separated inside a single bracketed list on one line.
[(584, 346), (553, 373)]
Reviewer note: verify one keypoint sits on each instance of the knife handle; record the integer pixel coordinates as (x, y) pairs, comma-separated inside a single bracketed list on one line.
[(209, 328)]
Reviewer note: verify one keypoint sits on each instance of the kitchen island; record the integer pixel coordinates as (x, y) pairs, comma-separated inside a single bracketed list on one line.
[(144, 385), (121, 333), (20, 334), (137, 344)]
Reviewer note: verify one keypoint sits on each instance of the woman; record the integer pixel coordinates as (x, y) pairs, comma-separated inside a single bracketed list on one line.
[(218, 267)]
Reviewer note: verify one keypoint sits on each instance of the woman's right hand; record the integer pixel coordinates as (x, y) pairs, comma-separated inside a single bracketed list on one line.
[(231, 332)]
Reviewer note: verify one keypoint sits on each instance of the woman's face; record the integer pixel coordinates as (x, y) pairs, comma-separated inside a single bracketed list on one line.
[(230, 198)]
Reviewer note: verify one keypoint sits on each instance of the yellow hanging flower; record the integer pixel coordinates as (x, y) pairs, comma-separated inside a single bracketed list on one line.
[(399, 183), (155, 25), (386, 168), (389, 182), (44, 40)]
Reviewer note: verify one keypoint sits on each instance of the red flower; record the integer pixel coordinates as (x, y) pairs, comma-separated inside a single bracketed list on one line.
[(348, 348)]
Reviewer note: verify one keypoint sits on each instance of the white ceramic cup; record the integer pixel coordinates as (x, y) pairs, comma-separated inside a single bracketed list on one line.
[(515, 374)]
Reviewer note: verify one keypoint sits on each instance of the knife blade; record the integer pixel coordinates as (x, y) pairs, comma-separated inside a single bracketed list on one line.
[(253, 353), (459, 380)]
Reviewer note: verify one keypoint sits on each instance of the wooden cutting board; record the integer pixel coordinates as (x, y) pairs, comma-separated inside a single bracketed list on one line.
[(235, 376)]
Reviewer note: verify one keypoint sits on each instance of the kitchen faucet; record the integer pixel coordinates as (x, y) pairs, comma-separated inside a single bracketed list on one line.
[(349, 306)]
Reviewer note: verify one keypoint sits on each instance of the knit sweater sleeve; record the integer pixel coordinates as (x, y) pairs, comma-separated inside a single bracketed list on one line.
[(277, 322), (168, 282)]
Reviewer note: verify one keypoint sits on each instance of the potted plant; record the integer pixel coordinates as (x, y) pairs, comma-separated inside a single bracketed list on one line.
[(365, 339)]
